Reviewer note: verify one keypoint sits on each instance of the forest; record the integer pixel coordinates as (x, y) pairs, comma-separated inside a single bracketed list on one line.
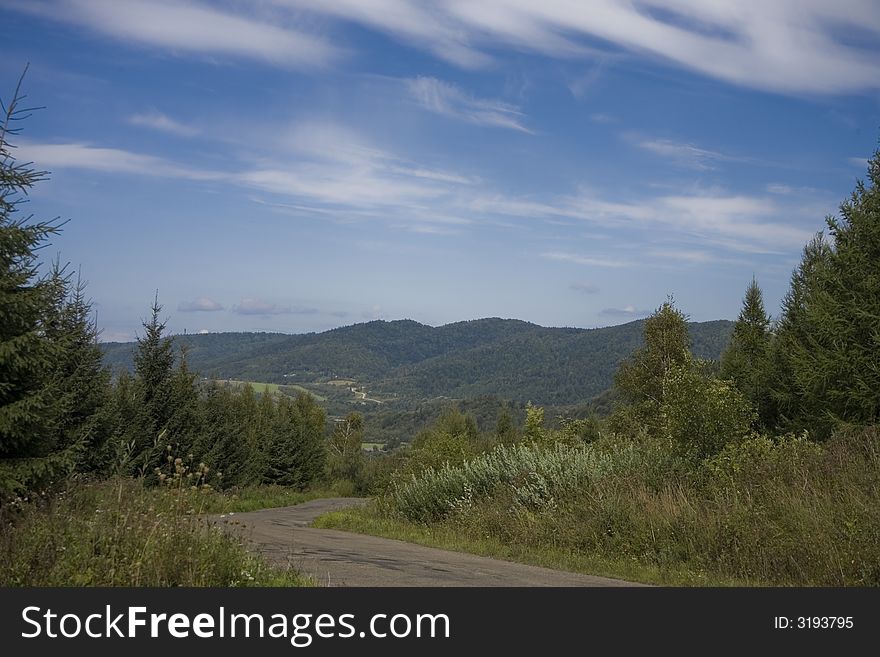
[(760, 467)]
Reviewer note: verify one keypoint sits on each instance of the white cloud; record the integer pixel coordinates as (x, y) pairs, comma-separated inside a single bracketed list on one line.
[(684, 255), (251, 306), (626, 311), (449, 100), (116, 336), (190, 26), (683, 154), (201, 304), (788, 46), (327, 171), (861, 162), (420, 24), (778, 188), (596, 261), (158, 121), (111, 160), (736, 222)]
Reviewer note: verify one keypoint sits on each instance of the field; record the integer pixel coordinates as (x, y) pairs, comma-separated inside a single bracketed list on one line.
[(273, 388)]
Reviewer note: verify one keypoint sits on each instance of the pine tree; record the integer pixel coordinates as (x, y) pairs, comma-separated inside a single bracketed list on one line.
[(745, 361)]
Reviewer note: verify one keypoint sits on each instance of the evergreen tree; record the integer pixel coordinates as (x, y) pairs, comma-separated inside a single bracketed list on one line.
[(184, 420), (830, 334), (296, 450), (745, 361), (27, 354), (153, 369), (79, 382), (222, 443)]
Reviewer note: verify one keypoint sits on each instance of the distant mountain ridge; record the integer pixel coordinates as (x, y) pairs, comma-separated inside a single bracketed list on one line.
[(404, 359)]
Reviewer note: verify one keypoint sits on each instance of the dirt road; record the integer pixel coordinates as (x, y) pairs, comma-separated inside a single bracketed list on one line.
[(336, 558)]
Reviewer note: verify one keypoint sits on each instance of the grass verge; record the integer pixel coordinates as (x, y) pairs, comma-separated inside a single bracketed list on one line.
[(253, 498), (368, 520), (119, 533)]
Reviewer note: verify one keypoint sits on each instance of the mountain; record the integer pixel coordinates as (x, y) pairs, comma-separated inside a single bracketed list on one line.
[(405, 360)]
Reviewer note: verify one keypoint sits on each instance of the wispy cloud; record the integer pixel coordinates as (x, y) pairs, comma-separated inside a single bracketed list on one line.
[(788, 46), (182, 26), (627, 311), (596, 261), (736, 222), (861, 162), (451, 101), (423, 25), (201, 304), (684, 154), (585, 288), (111, 160), (778, 188), (683, 255), (251, 306), (599, 117), (328, 171), (163, 123)]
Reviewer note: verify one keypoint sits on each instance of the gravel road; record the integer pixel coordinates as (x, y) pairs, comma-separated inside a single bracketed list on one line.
[(337, 558)]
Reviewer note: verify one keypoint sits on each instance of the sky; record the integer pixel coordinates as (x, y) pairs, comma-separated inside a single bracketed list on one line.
[(297, 165)]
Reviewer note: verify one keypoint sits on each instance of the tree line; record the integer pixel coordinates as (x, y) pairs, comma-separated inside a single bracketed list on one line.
[(62, 413)]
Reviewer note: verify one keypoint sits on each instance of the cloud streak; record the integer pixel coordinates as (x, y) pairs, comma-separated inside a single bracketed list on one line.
[(788, 46), (190, 27), (252, 306), (201, 304), (449, 100), (627, 311), (162, 123)]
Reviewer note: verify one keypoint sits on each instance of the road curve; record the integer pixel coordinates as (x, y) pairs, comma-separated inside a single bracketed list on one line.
[(337, 558)]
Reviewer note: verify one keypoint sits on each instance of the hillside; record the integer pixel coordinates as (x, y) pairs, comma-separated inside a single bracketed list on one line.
[(404, 360)]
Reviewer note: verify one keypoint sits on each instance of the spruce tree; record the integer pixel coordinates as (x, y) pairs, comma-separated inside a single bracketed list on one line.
[(830, 334), (153, 369), (27, 354), (296, 452), (79, 381), (745, 361), (790, 337)]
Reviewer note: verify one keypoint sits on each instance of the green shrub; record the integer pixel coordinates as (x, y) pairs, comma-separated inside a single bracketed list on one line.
[(121, 534)]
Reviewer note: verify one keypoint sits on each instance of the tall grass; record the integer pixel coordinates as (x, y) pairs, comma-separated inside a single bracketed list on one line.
[(785, 511), (119, 533)]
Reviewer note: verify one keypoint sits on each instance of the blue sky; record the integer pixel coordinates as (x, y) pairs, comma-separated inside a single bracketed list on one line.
[(295, 165)]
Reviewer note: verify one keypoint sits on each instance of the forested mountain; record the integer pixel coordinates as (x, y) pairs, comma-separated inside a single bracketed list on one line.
[(403, 359)]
